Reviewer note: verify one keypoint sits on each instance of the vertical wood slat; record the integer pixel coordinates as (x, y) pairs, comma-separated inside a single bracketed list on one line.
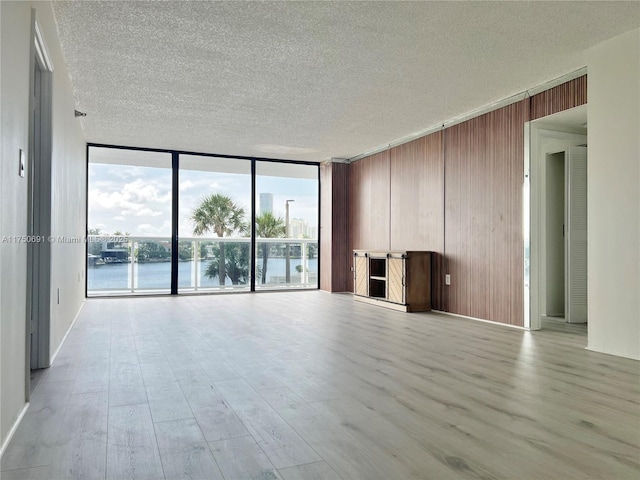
[(417, 202), (568, 95), (506, 151), (483, 238), (341, 255), (457, 217), (335, 259), (369, 203)]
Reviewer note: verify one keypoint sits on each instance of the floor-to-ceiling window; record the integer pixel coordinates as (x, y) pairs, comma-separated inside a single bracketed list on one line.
[(128, 221), (286, 225), (169, 222), (214, 224)]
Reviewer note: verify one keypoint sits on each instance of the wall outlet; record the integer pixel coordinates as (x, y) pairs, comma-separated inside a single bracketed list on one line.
[(447, 279)]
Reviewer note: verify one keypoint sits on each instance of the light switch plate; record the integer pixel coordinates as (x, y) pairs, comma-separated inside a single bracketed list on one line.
[(22, 163), (447, 279)]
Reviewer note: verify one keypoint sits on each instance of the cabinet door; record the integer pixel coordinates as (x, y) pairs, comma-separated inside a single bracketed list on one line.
[(361, 277), (396, 274)]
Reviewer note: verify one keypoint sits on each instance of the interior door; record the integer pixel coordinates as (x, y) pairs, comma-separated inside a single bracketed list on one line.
[(576, 235)]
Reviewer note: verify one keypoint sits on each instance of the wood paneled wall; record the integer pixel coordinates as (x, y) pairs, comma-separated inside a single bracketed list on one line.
[(483, 215), (369, 203), (563, 97), (417, 203), (458, 193), (335, 258)]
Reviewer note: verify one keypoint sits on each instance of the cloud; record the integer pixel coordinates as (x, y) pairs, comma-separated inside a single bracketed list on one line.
[(187, 185)]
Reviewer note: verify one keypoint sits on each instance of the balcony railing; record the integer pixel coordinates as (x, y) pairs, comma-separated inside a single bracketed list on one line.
[(142, 265)]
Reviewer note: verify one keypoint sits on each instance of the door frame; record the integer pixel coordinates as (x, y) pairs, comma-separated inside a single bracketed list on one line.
[(539, 141), (39, 173)]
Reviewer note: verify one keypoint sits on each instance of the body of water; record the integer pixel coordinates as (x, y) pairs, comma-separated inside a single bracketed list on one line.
[(154, 275)]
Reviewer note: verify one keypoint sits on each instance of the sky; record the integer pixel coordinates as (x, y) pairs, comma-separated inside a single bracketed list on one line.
[(137, 200)]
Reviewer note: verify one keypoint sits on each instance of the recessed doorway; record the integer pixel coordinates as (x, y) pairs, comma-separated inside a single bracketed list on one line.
[(556, 244)]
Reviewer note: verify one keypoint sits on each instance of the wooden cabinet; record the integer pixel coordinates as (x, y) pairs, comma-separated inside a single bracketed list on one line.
[(399, 279)]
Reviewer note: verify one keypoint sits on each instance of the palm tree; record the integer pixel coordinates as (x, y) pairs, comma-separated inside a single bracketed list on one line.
[(219, 214), (268, 226), (236, 263)]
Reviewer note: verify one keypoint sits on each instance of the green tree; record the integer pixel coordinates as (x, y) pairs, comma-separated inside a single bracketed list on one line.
[(219, 214), (95, 247), (268, 226), (236, 262), (185, 251)]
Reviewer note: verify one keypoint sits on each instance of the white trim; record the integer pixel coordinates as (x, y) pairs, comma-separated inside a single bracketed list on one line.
[(615, 354), (53, 357), (526, 226), (14, 428), (475, 113), (41, 49), (517, 327)]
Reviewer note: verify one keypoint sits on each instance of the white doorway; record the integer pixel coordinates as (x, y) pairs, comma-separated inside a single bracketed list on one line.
[(39, 207), (556, 219)]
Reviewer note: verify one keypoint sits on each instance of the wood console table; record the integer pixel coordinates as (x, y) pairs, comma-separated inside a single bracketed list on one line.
[(396, 279)]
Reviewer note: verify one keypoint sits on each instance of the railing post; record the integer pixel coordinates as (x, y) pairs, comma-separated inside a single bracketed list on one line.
[(133, 269), (303, 261), (195, 258)]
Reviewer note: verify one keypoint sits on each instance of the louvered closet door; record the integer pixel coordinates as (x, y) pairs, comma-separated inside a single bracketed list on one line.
[(576, 241), (395, 280)]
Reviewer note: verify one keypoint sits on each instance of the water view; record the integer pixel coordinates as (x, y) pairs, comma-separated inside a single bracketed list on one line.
[(157, 275)]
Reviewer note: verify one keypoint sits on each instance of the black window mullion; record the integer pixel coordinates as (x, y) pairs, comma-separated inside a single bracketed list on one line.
[(175, 190), (253, 226)]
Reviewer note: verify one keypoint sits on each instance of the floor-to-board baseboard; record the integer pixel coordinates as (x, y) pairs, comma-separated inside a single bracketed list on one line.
[(313, 385)]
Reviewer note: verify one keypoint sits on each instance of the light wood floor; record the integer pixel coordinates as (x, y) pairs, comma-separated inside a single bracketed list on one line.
[(307, 385)]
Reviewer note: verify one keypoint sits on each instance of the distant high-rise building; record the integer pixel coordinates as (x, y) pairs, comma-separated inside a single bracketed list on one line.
[(266, 202)]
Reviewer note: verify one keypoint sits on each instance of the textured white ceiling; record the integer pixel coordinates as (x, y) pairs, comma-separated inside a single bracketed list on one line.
[(312, 80)]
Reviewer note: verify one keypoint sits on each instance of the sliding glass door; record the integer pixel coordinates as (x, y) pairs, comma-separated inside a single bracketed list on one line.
[(128, 222), (286, 226), (214, 224), (170, 222)]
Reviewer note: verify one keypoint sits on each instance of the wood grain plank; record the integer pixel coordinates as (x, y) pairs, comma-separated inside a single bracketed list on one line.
[(282, 445), (81, 452), (216, 418), (132, 451), (35, 473), (184, 451), (311, 471), (242, 458)]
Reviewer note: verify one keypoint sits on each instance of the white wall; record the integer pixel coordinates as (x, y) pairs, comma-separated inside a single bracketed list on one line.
[(614, 195), (554, 201), (69, 177)]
